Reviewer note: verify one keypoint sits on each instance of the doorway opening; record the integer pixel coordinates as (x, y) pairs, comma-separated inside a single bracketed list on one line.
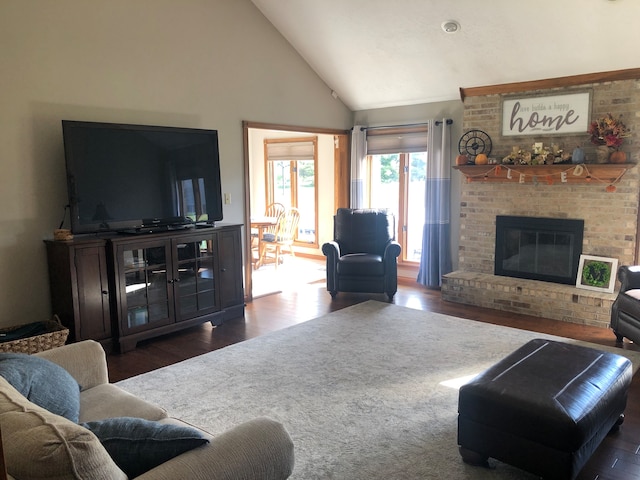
[(297, 177)]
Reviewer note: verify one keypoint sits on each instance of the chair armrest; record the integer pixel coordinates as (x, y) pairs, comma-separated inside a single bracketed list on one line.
[(260, 449), (331, 249), (392, 250), (85, 361), (390, 259), (629, 276), (332, 252)]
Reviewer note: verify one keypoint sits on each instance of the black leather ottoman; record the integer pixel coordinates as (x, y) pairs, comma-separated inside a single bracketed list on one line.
[(545, 408)]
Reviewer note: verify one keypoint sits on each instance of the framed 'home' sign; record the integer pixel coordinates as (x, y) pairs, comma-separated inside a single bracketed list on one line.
[(549, 115)]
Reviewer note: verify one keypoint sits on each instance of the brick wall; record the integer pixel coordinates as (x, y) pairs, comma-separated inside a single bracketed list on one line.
[(610, 218), (617, 98)]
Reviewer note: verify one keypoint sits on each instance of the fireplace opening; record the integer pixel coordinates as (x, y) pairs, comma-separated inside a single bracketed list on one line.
[(536, 248)]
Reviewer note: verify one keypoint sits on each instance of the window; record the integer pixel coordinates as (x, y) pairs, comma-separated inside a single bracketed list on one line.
[(291, 179), (397, 161), (397, 183)]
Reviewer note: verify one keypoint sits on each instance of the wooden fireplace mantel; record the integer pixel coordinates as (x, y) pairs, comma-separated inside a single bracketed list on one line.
[(543, 84), (608, 173)]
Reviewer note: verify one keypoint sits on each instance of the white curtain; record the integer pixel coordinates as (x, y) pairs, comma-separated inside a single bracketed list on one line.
[(436, 235), (358, 166)]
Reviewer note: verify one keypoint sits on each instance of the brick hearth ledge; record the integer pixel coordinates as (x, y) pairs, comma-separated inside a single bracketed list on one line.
[(530, 297)]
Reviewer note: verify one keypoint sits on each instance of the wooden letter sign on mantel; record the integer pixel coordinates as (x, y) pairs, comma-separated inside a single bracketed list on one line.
[(546, 174), (548, 115)]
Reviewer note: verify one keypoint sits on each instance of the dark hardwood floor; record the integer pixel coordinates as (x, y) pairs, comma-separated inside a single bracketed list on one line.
[(617, 458)]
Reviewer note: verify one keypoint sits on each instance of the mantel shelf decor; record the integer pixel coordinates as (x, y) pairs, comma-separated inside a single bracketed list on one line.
[(608, 174)]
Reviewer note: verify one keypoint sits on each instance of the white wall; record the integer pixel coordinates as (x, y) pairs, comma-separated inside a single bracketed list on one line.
[(420, 114), (193, 63)]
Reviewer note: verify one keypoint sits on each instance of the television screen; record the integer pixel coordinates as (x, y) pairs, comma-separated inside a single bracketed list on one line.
[(136, 177)]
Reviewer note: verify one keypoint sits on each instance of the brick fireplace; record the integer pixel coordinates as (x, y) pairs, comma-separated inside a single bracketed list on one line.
[(609, 231), (610, 218)]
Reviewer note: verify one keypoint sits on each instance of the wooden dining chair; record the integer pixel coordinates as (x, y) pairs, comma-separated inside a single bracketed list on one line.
[(273, 210), (282, 241)]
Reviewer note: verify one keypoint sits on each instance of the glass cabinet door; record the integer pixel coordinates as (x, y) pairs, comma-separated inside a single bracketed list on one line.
[(146, 286), (194, 288)]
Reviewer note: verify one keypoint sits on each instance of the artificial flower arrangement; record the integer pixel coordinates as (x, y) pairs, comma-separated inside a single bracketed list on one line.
[(539, 154), (608, 131)]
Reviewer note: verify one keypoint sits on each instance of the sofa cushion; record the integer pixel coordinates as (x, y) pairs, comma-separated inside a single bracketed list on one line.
[(109, 400), (41, 445), (42, 382), (138, 445), (361, 264)]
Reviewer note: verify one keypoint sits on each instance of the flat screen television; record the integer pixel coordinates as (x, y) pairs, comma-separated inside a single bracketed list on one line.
[(139, 178)]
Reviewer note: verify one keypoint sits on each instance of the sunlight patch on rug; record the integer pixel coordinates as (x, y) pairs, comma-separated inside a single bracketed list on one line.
[(456, 383)]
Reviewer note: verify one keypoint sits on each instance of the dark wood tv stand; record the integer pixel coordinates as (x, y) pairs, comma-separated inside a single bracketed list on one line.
[(120, 289)]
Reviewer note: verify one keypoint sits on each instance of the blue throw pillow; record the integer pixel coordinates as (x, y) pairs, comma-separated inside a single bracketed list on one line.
[(137, 445), (42, 382)]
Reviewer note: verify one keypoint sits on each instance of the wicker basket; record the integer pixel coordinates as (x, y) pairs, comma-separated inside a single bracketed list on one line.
[(55, 336)]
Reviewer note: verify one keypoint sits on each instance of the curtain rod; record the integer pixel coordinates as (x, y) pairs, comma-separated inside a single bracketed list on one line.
[(407, 125)]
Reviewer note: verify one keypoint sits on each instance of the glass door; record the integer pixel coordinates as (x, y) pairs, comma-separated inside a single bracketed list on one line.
[(147, 285), (293, 184), (194, 285), (397, 182), (413, 214)]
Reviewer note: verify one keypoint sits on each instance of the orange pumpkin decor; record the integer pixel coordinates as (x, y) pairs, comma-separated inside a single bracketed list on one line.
[(462, 159), (481, 159), (618, 157)]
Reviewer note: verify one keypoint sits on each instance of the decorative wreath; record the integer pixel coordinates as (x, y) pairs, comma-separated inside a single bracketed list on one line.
[(596, 274)]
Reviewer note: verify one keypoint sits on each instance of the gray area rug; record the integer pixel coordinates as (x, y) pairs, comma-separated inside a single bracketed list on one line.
[(360, 390)]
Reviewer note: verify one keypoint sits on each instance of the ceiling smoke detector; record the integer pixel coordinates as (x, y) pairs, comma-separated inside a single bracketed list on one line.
[(450, 26)]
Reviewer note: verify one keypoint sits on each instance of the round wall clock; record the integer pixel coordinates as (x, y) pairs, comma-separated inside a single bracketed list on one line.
[(475, 142)]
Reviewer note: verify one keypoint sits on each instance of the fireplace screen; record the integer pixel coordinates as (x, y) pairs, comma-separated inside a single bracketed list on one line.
[(546, 249)]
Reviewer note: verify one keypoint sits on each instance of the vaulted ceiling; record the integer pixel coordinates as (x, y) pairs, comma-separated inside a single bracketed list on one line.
[(385, 53)]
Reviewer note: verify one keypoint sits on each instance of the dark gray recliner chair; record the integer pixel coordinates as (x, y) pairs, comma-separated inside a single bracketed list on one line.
[(363, 255), (625, 312)]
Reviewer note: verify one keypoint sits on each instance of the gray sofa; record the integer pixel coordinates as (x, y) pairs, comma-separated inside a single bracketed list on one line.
[(40, 444)]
